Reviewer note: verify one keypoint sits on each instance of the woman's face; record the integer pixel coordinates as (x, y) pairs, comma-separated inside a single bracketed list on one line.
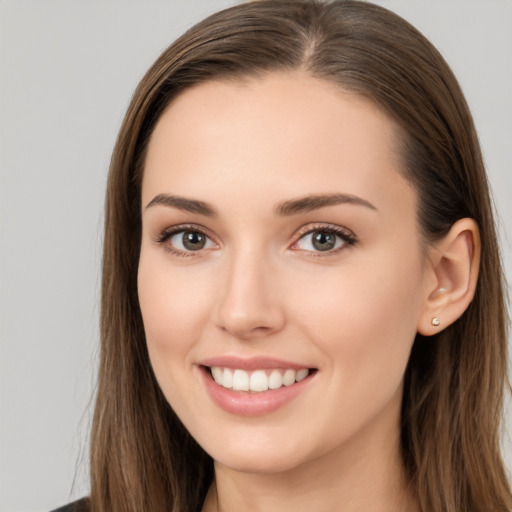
[(279, 240)]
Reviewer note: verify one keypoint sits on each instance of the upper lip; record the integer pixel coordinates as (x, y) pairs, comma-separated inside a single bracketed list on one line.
[(252, 363)]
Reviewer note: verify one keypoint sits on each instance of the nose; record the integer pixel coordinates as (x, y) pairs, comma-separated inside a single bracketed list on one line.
[(249, 304)]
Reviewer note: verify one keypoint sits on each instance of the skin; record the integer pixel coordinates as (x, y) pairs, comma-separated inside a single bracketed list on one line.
[(259, 288)]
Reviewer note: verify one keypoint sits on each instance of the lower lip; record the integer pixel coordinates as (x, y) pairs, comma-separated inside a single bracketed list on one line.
[(245, 403)]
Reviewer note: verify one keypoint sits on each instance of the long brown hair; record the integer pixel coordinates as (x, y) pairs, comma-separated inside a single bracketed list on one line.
[(142, 458)]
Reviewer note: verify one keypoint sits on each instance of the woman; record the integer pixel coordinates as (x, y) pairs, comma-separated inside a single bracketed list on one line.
[(302, 294)]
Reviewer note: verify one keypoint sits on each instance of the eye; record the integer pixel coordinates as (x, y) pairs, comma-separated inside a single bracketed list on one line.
[(184, 241), (324, 239), (189, 240)]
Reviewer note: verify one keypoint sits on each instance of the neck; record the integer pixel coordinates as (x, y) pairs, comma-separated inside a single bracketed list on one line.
[(366, 474)]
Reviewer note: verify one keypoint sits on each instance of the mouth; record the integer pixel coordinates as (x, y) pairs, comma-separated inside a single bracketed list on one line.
[(258, 380), (254, 386)]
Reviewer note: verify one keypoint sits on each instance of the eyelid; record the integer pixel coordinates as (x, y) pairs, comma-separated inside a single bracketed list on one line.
[(349, 238), (325, 226), (164, 235), (177, 228)]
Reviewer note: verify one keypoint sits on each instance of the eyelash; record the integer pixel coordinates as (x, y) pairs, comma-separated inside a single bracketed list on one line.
[(174, 230), (347, 237)]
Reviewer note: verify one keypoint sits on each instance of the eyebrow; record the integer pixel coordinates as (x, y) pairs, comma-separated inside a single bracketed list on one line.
[(182, 203), (286, 208), (315, 202)]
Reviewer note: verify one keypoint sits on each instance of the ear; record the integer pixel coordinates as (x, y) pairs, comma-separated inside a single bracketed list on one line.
[(452, 276)]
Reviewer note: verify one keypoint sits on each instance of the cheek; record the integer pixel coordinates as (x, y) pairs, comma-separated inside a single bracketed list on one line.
[(363, 321), (171, 303), (365, 317), (174, 310), (174, 314)]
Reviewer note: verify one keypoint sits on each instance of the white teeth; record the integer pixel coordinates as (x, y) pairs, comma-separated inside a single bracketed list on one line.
[(227, 378), (217, 374), (289, 377), (257, 381), (275, 380), (301, 374), (240, 380)]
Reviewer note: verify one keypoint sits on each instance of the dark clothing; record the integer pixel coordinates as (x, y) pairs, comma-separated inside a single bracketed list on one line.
[(77, 506)]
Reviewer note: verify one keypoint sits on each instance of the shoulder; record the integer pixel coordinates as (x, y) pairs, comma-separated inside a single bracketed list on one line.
[(77, 506)]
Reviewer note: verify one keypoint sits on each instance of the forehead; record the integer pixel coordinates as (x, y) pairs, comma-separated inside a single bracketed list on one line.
[(285, 133)]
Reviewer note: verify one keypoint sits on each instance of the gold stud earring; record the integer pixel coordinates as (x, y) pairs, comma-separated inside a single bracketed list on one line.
[(436, 322)]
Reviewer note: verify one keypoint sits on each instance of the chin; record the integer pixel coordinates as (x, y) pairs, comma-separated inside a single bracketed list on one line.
[(260, 455), (258, 463)]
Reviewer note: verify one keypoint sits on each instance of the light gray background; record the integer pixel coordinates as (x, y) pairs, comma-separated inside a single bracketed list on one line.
[(67, 71)]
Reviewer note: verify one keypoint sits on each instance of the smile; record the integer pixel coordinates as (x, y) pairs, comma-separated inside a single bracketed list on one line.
[(257, 381), (255, 386)]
